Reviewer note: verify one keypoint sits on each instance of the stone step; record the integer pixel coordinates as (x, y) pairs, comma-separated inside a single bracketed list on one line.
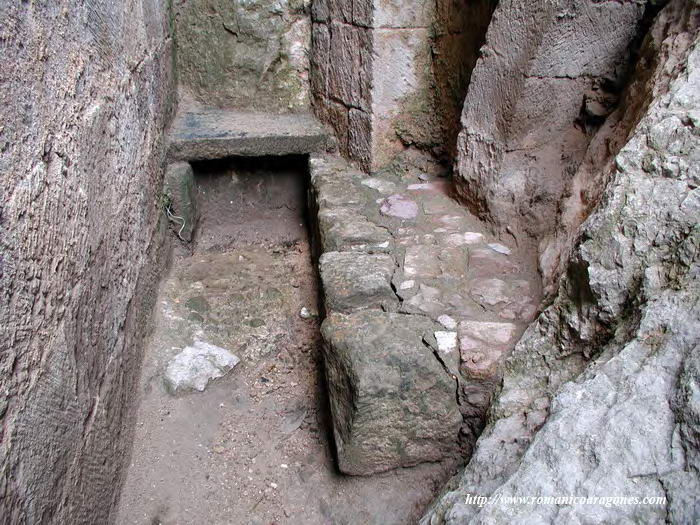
[(217, 133)]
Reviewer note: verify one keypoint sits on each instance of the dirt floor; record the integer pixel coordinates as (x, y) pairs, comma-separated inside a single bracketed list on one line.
[(254, 447)]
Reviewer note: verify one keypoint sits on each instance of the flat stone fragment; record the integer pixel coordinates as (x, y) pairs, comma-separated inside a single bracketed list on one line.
[(447, 322), (499, 248), (393, 404), (426, 301), (399, 206), (446, 341), (421, 260), (381, 185), (482, 344), (343, 229), (197, 365), (353, 281), (217, 133)]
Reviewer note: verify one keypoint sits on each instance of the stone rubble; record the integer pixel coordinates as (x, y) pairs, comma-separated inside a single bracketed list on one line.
[(196, 366), (414, 294)]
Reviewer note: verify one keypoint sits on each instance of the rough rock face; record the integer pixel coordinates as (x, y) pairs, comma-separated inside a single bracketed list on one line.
[(84, 100), (247, 54), (600, 397), (392, 403), (549, 75)]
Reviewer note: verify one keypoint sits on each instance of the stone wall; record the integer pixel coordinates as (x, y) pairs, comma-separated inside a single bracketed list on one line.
[(244, 54), (599, 397), (391, 75), (84, 99), (341, 74)]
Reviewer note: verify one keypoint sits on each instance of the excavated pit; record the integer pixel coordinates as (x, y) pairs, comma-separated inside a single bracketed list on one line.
[(255, 446)]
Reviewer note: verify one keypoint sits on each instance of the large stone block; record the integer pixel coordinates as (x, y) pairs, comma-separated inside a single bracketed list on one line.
[(393, 404), (360, 138), (320, 57), (343, 229), (525, 124), (355, 281)]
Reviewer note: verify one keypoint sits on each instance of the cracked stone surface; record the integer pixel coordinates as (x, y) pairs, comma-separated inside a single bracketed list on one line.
[(392, 244)]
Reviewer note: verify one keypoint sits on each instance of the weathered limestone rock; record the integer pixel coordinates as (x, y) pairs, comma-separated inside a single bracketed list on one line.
[(355, 281), (250, 55), (85, 95), (526, 126), (196, 366), (399, 206), (179, 199), (393, 404), (596, 397), (343, 229), (482, 345)]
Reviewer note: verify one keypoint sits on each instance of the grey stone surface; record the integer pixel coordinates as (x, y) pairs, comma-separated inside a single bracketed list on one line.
[(343, 229), (393, 405), (215, 133), (196, 366), (353, 281), (251, 55), (596, 397), (399, 206), (87, 90), (179, 199)]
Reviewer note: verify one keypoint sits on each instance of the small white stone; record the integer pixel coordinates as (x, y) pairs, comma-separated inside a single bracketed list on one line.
[(420, 186), (382, 186), (496, 247), (284, 465), (273, 485), (384, 244), (473, 237), (407, 285), (446, 341), (447, 322), (196, 366), (305, 313)]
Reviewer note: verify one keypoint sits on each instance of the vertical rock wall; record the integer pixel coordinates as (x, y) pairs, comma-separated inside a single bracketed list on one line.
[(244, 54), (600, 396), (84, 98), (549, 75)]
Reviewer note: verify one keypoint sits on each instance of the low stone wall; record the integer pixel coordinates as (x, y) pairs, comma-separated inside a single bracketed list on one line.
[(421, 309), (85, 97)]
